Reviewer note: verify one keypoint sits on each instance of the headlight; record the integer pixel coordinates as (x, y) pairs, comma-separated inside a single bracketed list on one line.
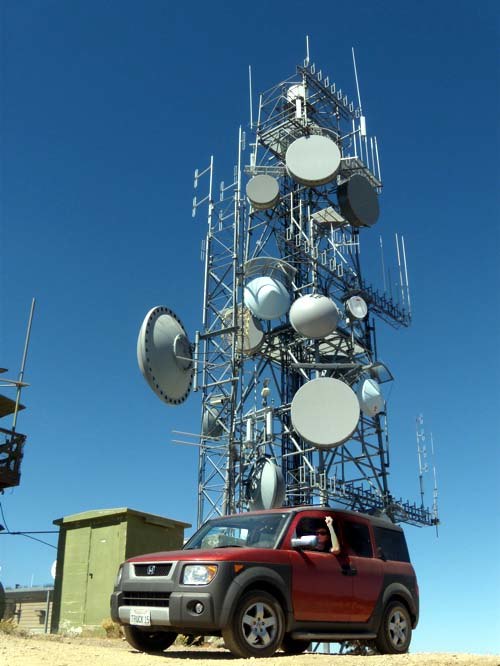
[(119, 576), (198, 574)]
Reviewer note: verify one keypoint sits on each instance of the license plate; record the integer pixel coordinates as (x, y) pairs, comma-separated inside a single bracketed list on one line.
[(140, 616)]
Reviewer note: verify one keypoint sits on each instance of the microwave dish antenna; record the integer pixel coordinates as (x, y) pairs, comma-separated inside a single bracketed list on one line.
[(313, 160), (325, 412), (164, 355)]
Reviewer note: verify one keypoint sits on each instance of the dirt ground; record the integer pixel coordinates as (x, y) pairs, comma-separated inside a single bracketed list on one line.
[(59, 651)]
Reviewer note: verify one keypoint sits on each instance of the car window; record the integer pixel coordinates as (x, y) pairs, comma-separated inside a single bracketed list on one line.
[(244, 530), (392, 543), (315, 526), (357, 538)]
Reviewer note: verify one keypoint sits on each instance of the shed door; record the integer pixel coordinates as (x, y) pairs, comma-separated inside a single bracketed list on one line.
[(104, 559)]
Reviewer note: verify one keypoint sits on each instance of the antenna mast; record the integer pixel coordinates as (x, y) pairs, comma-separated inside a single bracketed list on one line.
[(286, 360)]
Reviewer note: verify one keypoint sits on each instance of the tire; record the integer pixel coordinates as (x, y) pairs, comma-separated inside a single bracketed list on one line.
[(257, 626), (394, 634), (294, 645), (148, 641)]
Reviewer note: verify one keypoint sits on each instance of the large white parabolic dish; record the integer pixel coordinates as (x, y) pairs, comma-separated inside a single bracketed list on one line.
[(313, 160), (164, 355), (325, 412)]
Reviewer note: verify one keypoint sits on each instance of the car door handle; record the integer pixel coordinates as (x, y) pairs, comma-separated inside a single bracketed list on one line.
[(347, 570)]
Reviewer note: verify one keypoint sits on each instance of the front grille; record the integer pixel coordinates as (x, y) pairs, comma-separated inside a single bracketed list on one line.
[(158, 599), (152, 569)]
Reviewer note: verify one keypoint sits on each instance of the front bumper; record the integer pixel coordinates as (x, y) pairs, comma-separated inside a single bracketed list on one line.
[(183, 611)]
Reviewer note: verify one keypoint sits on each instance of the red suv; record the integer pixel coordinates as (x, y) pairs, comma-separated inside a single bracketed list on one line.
[(258, 580)]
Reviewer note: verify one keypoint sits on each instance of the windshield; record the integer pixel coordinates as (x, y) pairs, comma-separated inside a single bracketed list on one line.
[(245, 531)]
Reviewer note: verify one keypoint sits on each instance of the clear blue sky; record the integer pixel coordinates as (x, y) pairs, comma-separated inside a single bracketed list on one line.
[(107, 107)]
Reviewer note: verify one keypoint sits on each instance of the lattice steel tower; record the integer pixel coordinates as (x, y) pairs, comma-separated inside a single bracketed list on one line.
[(286, 358)]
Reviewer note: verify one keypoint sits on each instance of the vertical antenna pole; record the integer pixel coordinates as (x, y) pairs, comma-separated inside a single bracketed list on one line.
[(250, 94), (23, 365), (254, 161), (400, 272), (420, 452), (378, 161), (307, 50), (406, 274), (383, 264), (357, 82), (435, 490)]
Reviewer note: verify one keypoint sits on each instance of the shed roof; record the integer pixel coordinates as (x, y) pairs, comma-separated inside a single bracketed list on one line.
[(123, 512)]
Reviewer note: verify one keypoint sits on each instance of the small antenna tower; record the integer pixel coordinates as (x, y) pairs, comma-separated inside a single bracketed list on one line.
[(12, 442), (423, 467)]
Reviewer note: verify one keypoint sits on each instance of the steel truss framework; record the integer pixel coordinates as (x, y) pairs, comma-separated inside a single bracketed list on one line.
[(248, 394)]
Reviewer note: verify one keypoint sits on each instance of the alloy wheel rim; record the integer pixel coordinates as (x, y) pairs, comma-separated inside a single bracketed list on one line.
[(398, 629), (259, 625)]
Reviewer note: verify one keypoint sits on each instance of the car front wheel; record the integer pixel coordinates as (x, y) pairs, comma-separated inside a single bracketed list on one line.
[(148, 641), (394, 635), (257, 626)]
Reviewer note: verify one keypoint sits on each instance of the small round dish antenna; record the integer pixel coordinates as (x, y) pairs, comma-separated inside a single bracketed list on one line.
[(164, 355), (266, 486), (325, 412), (250, 335), (356, 307), (210, 423), (370, 397), (314, 316), (263, 191), (358, 201), (313, 160)]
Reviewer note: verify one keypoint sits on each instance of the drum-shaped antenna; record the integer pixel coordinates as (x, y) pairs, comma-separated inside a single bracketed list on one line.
[(370, 397), (314, 316), (358, 201), (164, 355), (313, 160), (325, 412), (263, 191), (266, 486)]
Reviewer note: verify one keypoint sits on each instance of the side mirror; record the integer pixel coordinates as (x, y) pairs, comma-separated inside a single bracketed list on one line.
[(306, 542)]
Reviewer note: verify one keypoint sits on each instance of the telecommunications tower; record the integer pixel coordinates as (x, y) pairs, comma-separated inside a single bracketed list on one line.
[(286, 359)]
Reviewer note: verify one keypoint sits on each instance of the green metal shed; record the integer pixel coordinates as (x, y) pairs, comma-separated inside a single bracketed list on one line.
[(91, 547)]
